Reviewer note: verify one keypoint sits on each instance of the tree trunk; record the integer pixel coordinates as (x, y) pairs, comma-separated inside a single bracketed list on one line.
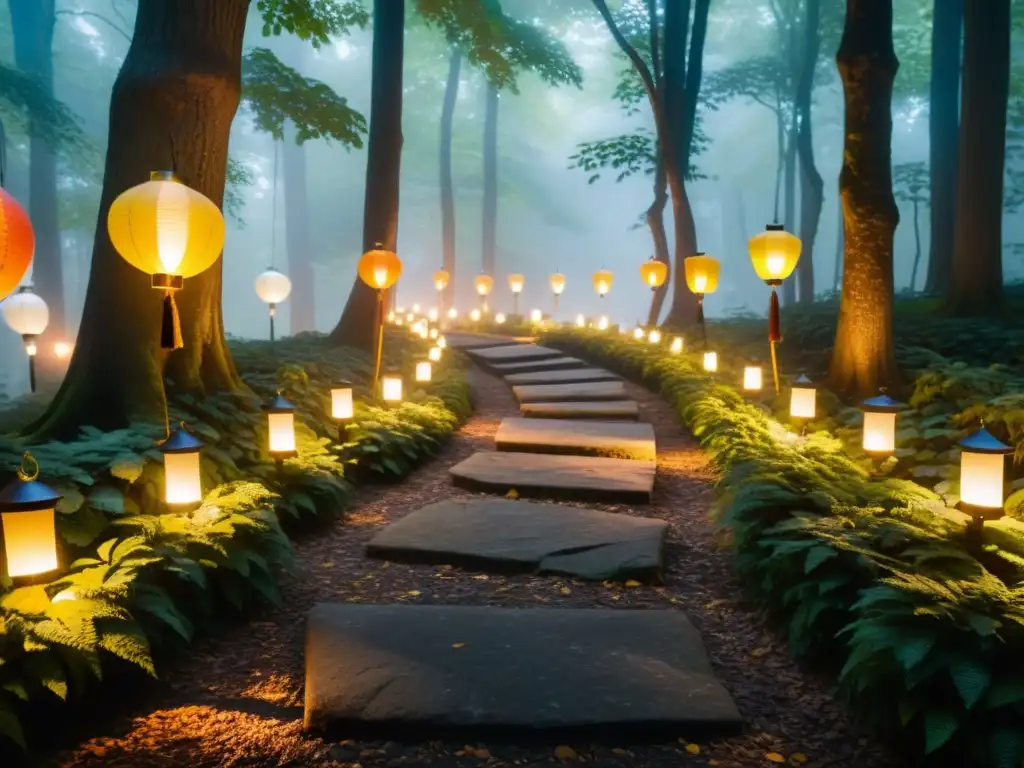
[(451, 93), (358, 324), (656, 222), (943, 126), (789, 211), (837, 274), (863, 356), (302, 302), (489, 226), (917, 247), (977, 285), (780, 158), (811, 185), (172, 104)]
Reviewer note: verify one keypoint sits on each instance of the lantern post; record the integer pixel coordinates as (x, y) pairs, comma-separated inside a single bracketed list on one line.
[(701, 273), (342, 407), (27, 315), (515, 284), (982, 468), (557, 282), (484, 284), (272, 287), (879, 435), (379, 269), (280, 430), (774, 254)]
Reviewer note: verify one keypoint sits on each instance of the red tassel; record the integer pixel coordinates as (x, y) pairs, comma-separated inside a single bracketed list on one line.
[(774, 324), (170, 326)]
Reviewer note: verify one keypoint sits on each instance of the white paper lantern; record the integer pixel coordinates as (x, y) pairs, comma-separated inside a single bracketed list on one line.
[(272, 286), (25, 312)]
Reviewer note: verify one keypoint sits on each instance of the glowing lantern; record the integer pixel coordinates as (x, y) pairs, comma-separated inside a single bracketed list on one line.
[(380, 269), (677, 345), (581, 321), (982, 463), (27, 315), (474, 315), (654, 337), (423, 371), (434, 354), (515, 284), (483, 284), (62, 350), (453, 313), (182, 483), (752, 378), (441, 278), (536, 316), (442, 342), (774, 254), (342, 402), (391, 388), (432, 333), (273, 287), (170, 232), (602, 323), (710, 362), (391, 316), (602, 280), (638, 334), (880, 424), (410, 317), (415, 308), (499, 318), (557, 282), (701, 273), (803, 400), (281, 428), (17, 243), (27, 515), (654, 273), (432, 314)]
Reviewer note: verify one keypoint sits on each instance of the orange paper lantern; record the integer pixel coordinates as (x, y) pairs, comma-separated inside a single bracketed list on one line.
[(380, 268), (17, 243)]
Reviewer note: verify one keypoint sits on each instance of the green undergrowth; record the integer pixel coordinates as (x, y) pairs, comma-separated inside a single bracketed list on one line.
[(868, 575), (143, 578)]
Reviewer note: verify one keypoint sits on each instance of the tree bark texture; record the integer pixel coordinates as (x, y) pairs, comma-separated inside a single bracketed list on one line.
[(943, 128), (837, 273), (172, 105), (789, 205), (358, 324), (917, 246), (812, 188), (451, 93), (977, 285), (302, 302), (655, 218), (863, 356), (489, 225)]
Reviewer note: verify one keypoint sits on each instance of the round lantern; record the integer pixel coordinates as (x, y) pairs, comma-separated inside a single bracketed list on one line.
[(27, 315), (272, 287), (281, 429), (27, 509), (500, 318), (654, 273), (602, 281), (701, 273), (677, 345), (169, 231), (380, 269), (982, 464), (557, 283), (880, 424), (515, 284), (774, 254), (391, 388), (803, 400), (182, 483), (752, 378), (17, 243), (423, 371), (441, 278), (710, 362)]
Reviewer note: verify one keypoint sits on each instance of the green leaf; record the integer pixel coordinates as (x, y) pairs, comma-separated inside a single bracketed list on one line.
[(816, 557), (156, 602), (913, 650), (126, 639), (939, 727), (971, 679), (10, 727), (128, 467), (107, 499), (1005, 748), (1005, 690)]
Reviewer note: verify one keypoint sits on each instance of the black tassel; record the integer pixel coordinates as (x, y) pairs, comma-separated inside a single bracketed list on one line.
[(774, 324), (170, 327)]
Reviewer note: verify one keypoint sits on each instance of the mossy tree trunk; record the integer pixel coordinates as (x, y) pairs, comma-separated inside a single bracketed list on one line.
[(943, 127), (489, 223), (977, 279), (172, 104), (451, 93), (302, 302), (358, 324), (863, 356), (812, 188)]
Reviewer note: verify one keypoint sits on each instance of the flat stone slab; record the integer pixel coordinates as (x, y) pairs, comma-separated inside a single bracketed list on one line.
[(532, 366), (620, 439), (505, 536), (468, 341), (601, 409), (516, 353), (578, 392), (428, 670), (582, 478), (560, 376)]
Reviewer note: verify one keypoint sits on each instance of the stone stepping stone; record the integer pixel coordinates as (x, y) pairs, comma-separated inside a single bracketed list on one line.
[(601, 409), (469, 341), (620, 439), (560, 376), (504, 536), (532, 366), (410, 671), (581, 478), (578, 392), (514, 353)]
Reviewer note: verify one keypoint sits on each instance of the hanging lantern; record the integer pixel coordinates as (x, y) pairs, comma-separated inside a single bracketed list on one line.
[(710, 362), (27, 509), (499, 318), (17, 243), (982, 464), (27, 315), (803, 400), (182, 483), (581, 321), (602, 280), (536, 316), (380, 269), (272, 287), (281, 428), (752, 378), (880, 424), (442, 342), (774, 254), (654, 273), (423, 371), (391, 388), (441, 278), (677, 345), (483, 285), (434, 354), (169, 231)]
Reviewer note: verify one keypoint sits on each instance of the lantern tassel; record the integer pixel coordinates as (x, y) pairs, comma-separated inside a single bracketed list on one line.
[(170, 327), (774, 324)]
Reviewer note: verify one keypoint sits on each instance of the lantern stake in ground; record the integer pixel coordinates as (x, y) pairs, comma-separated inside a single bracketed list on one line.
[(27, 509), (483, 284), (774, 254), (273, 287), (342, 407), (379, 269), (982, 467), (280, 430), (27, 315), (515, 284), (701, 273)]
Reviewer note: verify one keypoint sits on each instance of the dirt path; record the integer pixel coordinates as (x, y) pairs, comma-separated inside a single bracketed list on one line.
[(236, 699)]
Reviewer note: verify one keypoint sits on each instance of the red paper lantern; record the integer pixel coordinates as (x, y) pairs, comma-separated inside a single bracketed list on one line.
[(17, 243)]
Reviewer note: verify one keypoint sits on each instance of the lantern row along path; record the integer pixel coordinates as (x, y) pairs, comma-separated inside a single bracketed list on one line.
[(484, 671)]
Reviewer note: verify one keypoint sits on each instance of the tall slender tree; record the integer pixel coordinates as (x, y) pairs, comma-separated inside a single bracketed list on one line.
[(489, 224), (451, 93), (812, 188), (302, 302), (863, 356)]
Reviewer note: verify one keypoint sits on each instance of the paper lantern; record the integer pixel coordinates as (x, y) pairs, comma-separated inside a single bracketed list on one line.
[(982, 464), (516, 283), (17, 243), (602, 323), (536, 316), (701, 273), (677, 345), (281, 428), (654, 273), (27, 315), (557, 283), (710, 362), (433, 333), (581, 321), (803, 399), (880, 424), (774, 254), (380, 268), (654, 337), (434, 354), (602, 280), (752, 378), (169, 231), (182, 482), (391, 388), (272, 287), (499, 318), (27, 509), (423, 371), (62, 350), (432, 314), (441, 278), (474, 315), (342, 403), (483, 285)]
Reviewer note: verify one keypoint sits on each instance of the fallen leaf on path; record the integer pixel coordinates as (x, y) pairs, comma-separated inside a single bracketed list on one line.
[(632, 583), (413, 593), (798, 758), (775, 757), (693, 749), (563, 752), (458, 645), (512, 494)]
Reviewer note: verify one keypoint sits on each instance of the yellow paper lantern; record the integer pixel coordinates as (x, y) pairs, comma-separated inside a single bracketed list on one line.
[(654, 273), (710, 362), (516, 283), (280, 428), (880, 424), (557, 283), (391, 388), (483, 285), (982, 467), (499, 318), (27, 509), (182, 479), (423, 371), (774, 253), (602, 280), (701, 273), (803, 400), (380, 268), (752, 378)]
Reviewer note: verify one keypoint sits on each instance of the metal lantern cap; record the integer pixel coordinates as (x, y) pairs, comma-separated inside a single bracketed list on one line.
[(774, 228), (984, 441), (279, 405), (342, 383), (181, 441), (881, 404), (26, 494), (803, 382)]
